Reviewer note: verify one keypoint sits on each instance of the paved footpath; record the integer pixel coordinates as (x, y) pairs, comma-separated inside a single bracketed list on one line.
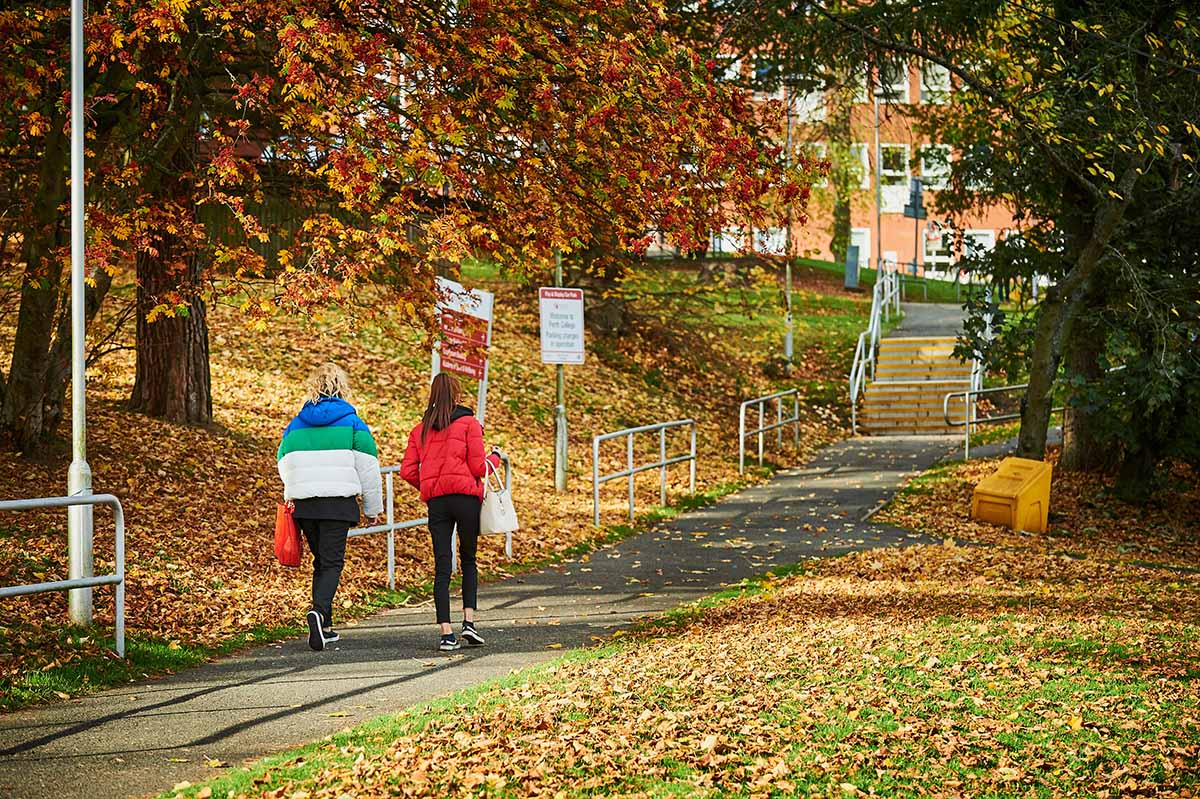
[(146, 737)]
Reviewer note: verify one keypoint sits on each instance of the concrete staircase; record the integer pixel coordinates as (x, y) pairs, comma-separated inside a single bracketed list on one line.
[(912, 375)]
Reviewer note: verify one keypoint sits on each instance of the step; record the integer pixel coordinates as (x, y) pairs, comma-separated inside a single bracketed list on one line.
[(906, 388), (907, 358), (927, 373), (911, 431), (911, 339), (896, 417), (924, 404)]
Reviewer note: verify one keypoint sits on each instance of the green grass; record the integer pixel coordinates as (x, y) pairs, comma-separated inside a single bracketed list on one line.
[(1090, 688), (147, 656)]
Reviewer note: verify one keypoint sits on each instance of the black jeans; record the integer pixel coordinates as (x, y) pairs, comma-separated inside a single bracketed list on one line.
[(444, 513), (327, 541)]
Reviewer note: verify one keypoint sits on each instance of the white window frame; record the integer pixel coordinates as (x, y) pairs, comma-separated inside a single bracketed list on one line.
[(898, 91), (894, 184), (973, 233), (864, 159), (939, 259), (778, 93), (864, 253), (902, 175), (808, 106), (935, 178), (935, 83), (862, 87)]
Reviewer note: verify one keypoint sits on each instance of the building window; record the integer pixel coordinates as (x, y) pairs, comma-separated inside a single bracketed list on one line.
[(861, 237), (860, 152), (935, 83), (893, 177), (808, 106), (978, 242), (935, 166), (767, 80), (893, 79), (938, 255)]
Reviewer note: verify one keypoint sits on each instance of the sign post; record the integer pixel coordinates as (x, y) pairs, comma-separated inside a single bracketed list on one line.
[(561, 311), (466, 322)]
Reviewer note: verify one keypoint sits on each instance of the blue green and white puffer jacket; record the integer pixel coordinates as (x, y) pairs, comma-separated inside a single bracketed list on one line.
[(327, 451)]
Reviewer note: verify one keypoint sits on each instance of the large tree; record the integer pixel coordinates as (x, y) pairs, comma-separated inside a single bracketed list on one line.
[(1070, 113), (499, 128)]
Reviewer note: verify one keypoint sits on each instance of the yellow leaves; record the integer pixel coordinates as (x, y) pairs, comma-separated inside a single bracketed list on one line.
[(1075, 723)]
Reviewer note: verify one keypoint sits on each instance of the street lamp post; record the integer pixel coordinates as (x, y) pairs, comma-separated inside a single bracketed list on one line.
[(79, 477), (878, 191), (787, 247)]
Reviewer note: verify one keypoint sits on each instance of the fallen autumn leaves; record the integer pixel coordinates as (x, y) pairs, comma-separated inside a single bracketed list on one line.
[(934, 671), (200, 502)]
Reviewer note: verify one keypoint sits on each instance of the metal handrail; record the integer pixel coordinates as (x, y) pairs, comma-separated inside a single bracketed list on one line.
[(884, 296), (661, 464), (390, 526), (117, 578), (780, 423), (969, 396)]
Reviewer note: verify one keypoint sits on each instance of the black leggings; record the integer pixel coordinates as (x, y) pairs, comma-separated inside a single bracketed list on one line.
[(444, 513), (327, 542)]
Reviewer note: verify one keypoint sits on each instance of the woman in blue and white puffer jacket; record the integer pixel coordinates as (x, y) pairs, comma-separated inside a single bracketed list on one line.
[(327, 459)]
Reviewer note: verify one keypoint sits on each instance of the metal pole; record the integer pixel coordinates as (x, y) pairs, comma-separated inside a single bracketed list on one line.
[(596, 481), (796, 417), (560, 406), (787, 250), (662, 471), (79, 477), (878, 193), (391, 519), (779, 421), (742, 439), (629, 468), (760, 433), (508, 485), (692, 462)]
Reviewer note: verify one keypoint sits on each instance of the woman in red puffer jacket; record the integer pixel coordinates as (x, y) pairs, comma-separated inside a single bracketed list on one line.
[(445, 460)]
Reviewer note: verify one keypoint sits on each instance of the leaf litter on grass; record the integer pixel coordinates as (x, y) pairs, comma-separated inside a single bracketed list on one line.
[(199, 502), (939, 671)]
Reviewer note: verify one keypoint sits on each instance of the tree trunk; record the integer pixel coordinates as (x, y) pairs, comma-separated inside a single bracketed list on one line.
[(839, 242), (173, 380), (1083, 448), (22, 413), (1062, 305)]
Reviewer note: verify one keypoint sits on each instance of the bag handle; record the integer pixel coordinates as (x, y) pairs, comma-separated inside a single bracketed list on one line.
[(492, 471)]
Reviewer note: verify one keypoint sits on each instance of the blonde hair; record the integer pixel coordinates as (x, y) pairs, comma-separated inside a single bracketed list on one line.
[(327, 380)]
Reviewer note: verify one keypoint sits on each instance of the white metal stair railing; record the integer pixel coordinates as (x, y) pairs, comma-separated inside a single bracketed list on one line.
[(885, 299)]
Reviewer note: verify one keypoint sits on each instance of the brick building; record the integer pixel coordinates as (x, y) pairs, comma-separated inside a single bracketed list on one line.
[(904, 155)]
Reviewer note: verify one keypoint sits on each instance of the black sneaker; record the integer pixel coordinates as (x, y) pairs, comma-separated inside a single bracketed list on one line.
[(330, 636), (449, 643), (316, 639), (470, 636)]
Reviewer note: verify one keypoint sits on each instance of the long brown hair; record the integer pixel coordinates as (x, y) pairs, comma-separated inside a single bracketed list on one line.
[(444, 393)]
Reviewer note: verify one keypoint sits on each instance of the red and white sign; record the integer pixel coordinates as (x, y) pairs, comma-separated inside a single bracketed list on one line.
[(466, 321), (562, 325)]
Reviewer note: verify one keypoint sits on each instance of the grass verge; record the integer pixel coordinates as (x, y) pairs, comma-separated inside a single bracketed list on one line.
[(940, 670)]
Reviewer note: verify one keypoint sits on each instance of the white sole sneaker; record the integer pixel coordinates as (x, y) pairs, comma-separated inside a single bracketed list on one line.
[(450, 646), (471, 638), (316, 638)]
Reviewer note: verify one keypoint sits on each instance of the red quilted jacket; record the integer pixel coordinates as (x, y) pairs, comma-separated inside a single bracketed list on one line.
[(450, 461)]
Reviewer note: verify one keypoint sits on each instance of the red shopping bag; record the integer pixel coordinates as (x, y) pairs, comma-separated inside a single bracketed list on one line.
[(287, 535)]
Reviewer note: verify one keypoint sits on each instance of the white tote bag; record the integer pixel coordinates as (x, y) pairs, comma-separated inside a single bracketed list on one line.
[(497, 515)]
